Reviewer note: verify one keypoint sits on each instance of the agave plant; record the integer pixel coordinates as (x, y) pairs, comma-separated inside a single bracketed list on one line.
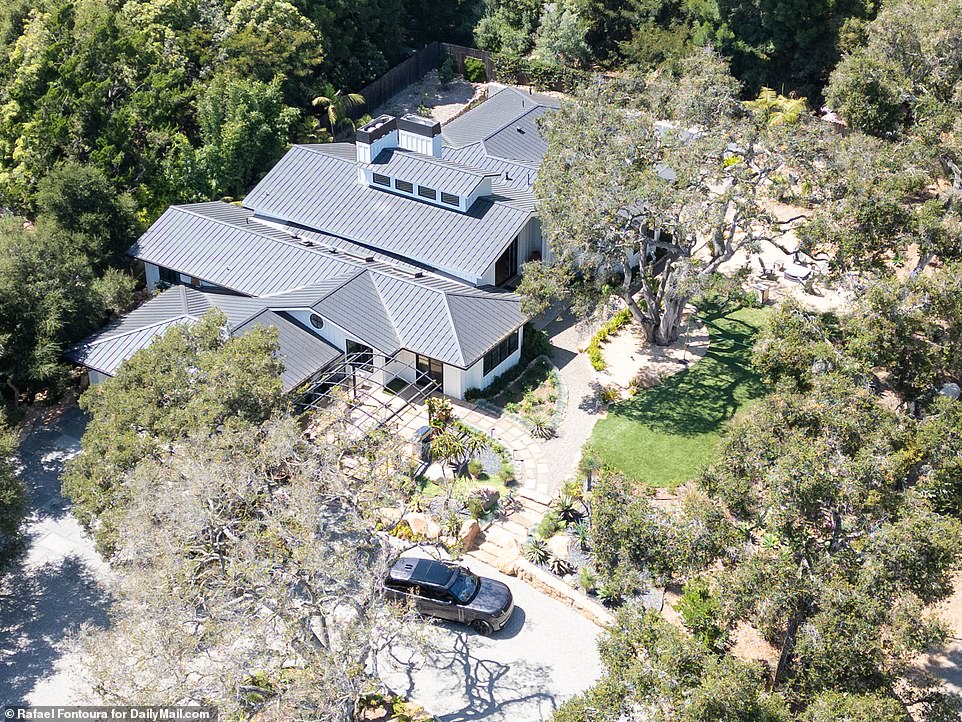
[(541, 428), (560, 567), (568, 510), (582, 532), (536, 551)]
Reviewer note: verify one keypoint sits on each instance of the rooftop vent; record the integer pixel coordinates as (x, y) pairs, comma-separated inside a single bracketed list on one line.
[(307, 244)]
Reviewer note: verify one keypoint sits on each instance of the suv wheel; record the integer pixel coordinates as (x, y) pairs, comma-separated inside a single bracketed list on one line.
[(482, 627)]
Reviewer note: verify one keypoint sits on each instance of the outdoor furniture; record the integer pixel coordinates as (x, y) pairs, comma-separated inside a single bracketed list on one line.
[(796, 272)]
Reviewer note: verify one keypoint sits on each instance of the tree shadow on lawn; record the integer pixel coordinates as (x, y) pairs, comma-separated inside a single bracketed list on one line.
[(702, 398)]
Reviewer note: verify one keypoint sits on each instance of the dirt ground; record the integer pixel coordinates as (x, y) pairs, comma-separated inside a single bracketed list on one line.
[(445, 101)]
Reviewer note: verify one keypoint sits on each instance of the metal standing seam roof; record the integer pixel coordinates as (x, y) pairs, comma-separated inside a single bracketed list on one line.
[(427, 171), (520, 139), (319, 190), (493, 114), (302, 352), (516, 175)]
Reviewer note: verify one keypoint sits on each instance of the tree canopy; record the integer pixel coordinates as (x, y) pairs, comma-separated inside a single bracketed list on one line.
[(191, 380), (647, 188)]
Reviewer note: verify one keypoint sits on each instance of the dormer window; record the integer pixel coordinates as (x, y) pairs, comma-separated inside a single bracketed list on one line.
[(426, 192), (381, 180), (451, 200), (403, 186)]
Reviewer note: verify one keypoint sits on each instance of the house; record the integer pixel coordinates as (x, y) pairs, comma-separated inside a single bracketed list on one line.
[(391, 256)]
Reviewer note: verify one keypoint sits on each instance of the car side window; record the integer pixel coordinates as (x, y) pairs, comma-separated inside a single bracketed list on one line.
[(438, 595)]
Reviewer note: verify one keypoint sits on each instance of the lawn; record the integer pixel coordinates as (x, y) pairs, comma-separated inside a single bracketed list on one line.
[(666, 435)]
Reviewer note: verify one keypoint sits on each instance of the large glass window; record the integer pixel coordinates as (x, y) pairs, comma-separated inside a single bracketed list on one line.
[(360, 356), (168, 276), (496, 356)]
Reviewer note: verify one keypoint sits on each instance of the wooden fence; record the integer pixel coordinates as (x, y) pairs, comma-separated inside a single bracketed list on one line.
[(410, 71)]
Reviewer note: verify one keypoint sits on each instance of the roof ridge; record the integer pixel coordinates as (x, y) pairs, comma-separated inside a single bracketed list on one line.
[(514, 119), (139, 329), (387, 311), (454, 329), (441, 162)]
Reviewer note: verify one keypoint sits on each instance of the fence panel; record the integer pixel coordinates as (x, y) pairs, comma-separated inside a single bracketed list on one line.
[(411, 70)]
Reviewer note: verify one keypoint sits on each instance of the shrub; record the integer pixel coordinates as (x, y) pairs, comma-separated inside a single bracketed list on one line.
[(700, 611), (610, 394), (475, 507), (506, 473), (582, 532), (610, 327), (516, 70), (536, 343), (446, 71), (475, 468), (536, 551), (610, 594), (474, 71), (549, 526), (587, 579), (567, 509)]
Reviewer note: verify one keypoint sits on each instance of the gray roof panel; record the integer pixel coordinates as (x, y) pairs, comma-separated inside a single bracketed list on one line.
[(491, 115), (317, 190), (302, 352), (520, 140), (427, 171)]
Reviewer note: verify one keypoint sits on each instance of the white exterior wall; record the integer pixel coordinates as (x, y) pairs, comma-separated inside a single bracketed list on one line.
[(419, 143), (473, 377), (337, 337), (366, 152), (480, 191), (401, 365), (529, 240)]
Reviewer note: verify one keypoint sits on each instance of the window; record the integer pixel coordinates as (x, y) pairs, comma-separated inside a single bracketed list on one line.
[(451, 200), (316, 321), (403, 186), (361, 356), (426, 192), (381, 180), (168, 276), (496, 356)]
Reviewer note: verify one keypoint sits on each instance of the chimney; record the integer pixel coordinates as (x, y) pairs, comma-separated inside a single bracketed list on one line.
[(373, 137), (421, 135)]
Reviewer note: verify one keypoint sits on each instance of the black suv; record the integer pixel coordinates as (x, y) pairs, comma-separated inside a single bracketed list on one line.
[(448, 591)]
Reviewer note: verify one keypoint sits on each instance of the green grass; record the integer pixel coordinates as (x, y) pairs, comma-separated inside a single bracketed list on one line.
[(462, 486), (666, 435)]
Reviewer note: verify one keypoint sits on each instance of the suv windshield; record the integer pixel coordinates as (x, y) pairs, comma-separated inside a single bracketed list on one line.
[(464, 586)]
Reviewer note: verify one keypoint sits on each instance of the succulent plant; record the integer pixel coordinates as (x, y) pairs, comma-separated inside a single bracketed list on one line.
[(561, 567), (536, 551)]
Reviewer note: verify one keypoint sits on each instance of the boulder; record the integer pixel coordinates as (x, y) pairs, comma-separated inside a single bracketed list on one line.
[(422, 525), (950, 390), (558, 544), (469, 533), (389, 515), (506, 561)]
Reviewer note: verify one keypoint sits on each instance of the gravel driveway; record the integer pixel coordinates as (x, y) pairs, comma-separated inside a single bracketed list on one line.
[(55, 586), (545, 654)]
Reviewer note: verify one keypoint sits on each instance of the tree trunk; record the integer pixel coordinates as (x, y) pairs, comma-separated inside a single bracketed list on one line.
[(669, 327), (16, 393), (639, 316), (788, 649)]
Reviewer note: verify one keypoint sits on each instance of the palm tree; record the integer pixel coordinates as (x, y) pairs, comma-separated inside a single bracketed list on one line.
[(334, 106), (776, 109)]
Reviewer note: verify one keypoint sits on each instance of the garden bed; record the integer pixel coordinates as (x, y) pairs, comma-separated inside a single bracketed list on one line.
[(537, 399)]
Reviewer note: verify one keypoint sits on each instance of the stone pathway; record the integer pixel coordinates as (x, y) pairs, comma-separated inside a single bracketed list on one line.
[(563, 452)]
